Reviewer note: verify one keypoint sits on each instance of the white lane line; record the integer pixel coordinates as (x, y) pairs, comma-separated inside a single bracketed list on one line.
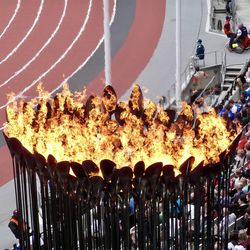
[(42, 48), (87, 59), (58, 60), (28, 33), (101, 40), (12, 18)]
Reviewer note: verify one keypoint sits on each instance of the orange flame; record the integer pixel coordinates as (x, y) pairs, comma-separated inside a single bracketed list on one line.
[(122, 132)]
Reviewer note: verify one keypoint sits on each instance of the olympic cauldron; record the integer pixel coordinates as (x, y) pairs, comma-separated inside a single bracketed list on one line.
[(118, 175)]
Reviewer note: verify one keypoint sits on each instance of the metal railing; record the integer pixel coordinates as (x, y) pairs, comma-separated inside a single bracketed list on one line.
[(223, 68), (210, 94), (212, 58)]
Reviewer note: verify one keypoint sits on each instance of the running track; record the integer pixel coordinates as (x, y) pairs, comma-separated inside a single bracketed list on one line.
[(53, 41)]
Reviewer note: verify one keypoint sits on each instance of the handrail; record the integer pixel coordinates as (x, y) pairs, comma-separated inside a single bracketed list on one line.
[(223, 68), (211, 59), (206, 87)]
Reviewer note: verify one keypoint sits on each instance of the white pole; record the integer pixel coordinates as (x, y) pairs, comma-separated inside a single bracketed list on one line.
[(107, 50), (178, 55)]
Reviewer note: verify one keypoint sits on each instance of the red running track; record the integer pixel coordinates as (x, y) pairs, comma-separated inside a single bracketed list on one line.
[(49, 19), (86, 44), (133, 56), (7, 10), (75, 16), (19, 27)]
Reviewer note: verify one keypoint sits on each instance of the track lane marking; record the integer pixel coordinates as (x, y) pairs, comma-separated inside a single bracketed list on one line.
[(58, 60), (41, 49), (12, 18), (27, 35), (87, 59)]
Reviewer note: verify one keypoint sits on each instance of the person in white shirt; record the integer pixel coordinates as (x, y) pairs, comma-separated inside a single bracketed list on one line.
[(234, 241)]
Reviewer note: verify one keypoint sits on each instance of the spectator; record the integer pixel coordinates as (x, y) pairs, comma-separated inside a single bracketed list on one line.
[(243, 238), (229, 7), (197, 86), (238, 177), (239, 158), (240, 81), (198, 77), (247, 75), (247, 91), (238, 193), (200, 106), (246, 221), (241, 33), (15, 227), (200, 50), (228, 217), (234, 241), (226, 112), (13, 224), (245, 116), (236, 107), (227, 27), (232, 44), (247, 149), (242, 205), (248, 199), (245, 184), (247, 171), (242, 143)]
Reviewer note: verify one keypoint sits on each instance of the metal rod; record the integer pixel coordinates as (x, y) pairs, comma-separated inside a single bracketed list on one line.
[(107, 46), (178, 55)]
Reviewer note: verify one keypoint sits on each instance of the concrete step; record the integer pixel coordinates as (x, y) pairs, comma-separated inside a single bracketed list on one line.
[(229, 79), (232, 73), (235, 66), (226, 86), (219, 11)]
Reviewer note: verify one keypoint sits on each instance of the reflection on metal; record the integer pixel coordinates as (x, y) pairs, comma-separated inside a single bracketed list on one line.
[(143, 208)]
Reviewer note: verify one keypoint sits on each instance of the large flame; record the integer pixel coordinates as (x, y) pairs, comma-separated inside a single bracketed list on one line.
[(122, 132)]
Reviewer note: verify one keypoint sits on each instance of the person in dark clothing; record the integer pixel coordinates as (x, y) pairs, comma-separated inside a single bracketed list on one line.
[(242, 31), (228, 7), (246, 221), (228, 32), (232, 43), (200, 50), (242, 35), (242, 201), (13, 224)]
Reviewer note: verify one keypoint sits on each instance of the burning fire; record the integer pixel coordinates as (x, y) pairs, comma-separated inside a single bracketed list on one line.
[(124, 132)]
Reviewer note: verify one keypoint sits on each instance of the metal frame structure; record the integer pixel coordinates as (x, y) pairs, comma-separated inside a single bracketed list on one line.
[(84, 211)]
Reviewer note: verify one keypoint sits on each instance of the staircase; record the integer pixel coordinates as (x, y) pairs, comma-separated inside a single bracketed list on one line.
[(231, 73), (228, 86)]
